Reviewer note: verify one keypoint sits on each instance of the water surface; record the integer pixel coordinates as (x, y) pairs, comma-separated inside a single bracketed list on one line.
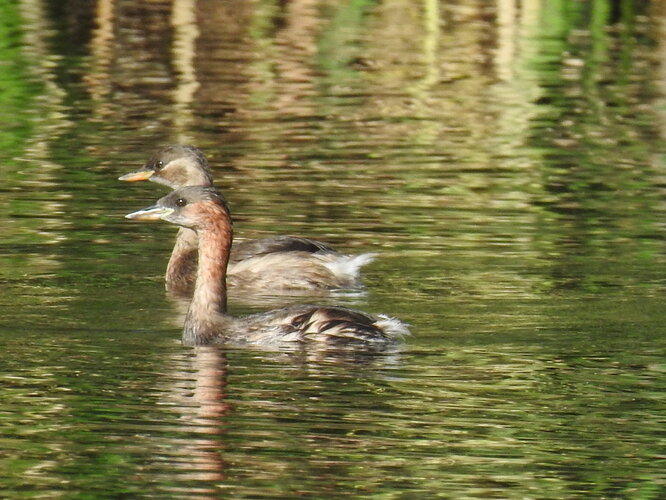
[(504, 159)]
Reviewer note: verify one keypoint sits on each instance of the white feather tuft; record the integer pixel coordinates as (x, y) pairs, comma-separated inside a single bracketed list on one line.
[(349, 266), (392, 327)]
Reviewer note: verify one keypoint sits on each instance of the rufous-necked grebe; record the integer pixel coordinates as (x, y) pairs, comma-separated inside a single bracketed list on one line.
[(267, 264), (204, 210)]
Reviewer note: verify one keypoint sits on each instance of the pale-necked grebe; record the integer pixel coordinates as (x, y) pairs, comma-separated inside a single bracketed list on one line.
[(267, 264)]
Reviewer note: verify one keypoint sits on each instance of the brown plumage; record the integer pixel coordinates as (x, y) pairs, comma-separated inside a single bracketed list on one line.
[(276, 263), (204, 210)]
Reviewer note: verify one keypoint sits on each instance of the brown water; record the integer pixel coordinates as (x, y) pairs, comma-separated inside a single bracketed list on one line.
[(505, 159)]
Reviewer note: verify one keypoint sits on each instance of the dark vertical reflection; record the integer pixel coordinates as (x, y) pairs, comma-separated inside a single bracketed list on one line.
[(197, 395), (597, 134)]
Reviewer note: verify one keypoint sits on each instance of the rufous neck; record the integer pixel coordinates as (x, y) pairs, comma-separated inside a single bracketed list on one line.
[(209, 302)]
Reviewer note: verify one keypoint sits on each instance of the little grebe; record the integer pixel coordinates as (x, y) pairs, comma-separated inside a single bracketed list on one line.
[(275, 263), (204, 210)]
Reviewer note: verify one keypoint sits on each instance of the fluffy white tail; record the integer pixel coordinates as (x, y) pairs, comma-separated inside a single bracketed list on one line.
[(392, 327), (348, 267)]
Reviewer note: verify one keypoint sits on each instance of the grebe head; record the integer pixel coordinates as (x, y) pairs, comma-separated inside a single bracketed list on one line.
[(193, 206), (174, 166)]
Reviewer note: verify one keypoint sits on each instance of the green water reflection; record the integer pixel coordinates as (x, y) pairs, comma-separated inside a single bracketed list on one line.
[(506, 161)]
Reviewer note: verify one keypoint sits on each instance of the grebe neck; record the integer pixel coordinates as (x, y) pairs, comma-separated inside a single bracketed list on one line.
[(179, 262), (206, 314)]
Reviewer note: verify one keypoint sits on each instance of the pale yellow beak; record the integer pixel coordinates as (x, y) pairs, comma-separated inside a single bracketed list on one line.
[(150, 213), (139, 175)]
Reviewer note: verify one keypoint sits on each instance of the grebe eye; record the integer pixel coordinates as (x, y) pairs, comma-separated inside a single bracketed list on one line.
[(160, 164), (181, 202)]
